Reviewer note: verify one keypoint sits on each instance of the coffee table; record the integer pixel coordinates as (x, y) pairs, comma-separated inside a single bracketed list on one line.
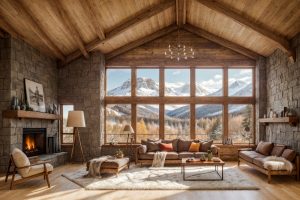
[(217, 169)]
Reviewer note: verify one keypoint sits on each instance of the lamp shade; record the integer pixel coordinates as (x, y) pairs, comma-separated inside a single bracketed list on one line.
[(128, 129), (76, 119)]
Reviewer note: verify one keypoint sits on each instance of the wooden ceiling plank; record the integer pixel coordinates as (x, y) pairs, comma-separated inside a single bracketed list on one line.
[(67, 22), (180, 12), (235, 47), (133, 21), (8, 28), (140, 17), (88, 8), (36, 27), (225, 10), (141, 41)]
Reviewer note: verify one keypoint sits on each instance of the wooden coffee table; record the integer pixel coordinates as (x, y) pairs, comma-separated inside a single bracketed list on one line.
[(217, 169)]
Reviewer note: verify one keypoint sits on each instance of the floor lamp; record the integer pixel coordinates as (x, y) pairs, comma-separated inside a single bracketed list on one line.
[(129, 131), (76, 120)]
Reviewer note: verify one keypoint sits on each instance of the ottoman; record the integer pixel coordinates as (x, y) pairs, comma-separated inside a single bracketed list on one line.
[(112, 165)]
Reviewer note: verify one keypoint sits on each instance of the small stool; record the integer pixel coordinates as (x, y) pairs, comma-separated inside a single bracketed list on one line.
[(112, 165)]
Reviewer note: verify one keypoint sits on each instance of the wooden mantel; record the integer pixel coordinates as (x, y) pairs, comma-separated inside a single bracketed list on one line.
[(21, 114), (292, 120)]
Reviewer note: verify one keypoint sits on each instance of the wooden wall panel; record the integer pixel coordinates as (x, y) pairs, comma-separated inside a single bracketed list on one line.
[(207, 53)]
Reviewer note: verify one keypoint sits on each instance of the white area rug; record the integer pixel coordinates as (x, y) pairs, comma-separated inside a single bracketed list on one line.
[(167, 178)]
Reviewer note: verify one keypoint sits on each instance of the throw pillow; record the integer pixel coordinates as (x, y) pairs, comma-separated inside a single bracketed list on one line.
[(265, 148), (206, 145), (153, 146), (194, 147), (289, 154), (277, 150), (183, 145), (166, 147), (174, 143)]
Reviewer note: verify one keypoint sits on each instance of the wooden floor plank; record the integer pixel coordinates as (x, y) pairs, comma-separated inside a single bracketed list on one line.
[(61, 188)]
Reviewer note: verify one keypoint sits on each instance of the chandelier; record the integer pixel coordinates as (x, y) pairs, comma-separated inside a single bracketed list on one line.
[(179, 51)]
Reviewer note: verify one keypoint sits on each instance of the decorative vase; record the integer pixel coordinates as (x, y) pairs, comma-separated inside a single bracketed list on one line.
[(209, 155)]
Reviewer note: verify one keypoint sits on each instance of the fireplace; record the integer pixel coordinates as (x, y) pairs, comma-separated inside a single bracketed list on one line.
[(34, 141)]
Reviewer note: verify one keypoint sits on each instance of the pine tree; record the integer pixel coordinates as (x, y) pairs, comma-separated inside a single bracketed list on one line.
[(247, 117)]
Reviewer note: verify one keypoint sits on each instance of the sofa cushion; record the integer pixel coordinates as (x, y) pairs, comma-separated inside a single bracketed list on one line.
[(142, 149), (259, 162), (172, 155), (174, 143), (289, 154), (183, 145), (199, 154), (166, 147), (147, 156), (185, 154), (250, 155), (205, 145), (21, 160), (264, 148), (277, 150), (194, 147), (153, 145)]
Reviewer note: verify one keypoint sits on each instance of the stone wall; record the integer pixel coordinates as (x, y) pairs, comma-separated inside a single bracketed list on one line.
[(81, 83), (24, 62), (283, 90)]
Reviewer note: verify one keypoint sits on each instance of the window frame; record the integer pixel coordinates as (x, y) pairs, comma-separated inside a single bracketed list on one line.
[(61, 125), (191, 100)]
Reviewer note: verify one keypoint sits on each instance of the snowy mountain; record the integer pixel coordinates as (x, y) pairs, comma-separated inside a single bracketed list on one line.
[(148, 87)]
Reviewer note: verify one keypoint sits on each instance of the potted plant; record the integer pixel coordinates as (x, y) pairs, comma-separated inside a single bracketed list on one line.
[(119, 154)]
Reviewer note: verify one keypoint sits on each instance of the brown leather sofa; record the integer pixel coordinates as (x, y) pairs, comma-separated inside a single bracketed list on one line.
[(145, 152), (255, 158)]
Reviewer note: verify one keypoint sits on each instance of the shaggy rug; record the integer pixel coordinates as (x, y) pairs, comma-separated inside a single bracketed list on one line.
[(166, 178)]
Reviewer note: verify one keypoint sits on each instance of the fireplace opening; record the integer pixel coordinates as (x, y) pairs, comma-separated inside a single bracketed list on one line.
[(34, 141)]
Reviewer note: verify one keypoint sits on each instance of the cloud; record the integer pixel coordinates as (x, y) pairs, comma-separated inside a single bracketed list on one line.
[(245, 71), (218, 76), (212, 84), (176, 72)]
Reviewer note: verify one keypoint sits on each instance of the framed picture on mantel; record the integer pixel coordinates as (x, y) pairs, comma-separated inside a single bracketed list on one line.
[(35, 95)]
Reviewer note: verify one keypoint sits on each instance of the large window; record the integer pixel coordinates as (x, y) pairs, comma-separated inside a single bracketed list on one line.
[(177, 121), (147, 125), (209, 125), (204, 103), (117, 116), (67, 132)]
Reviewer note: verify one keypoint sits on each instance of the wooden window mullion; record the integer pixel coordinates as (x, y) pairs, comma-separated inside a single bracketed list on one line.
[(192, 105), (225, 104), (161, 105)]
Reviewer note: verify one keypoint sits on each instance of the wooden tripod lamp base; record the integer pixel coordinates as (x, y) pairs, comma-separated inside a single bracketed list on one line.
[(76, 120)]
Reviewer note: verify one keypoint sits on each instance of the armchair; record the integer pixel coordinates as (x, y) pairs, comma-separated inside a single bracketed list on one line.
[(21, 165)]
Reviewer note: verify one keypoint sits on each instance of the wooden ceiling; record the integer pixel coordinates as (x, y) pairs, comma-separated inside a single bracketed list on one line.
[(67, 29)]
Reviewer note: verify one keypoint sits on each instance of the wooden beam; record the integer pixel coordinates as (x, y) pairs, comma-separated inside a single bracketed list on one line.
[(2, 33), (88, 8), (226, 43), (26, 15), (225, 10), (180, 12), (8, 28), (67, 22), (133, 21), (140, 42)]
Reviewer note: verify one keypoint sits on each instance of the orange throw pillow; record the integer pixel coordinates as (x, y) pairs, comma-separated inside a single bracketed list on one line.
[(194, 147), (166, 147)]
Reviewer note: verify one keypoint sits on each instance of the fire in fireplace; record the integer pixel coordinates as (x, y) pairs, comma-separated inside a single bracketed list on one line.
[(34, 141)]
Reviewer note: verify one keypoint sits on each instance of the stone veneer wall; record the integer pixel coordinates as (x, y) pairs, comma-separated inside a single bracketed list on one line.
[(19, 61), (283, 90), (81, 83)]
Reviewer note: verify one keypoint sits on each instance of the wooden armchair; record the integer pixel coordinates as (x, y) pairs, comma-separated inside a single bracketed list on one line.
[(20, 164)]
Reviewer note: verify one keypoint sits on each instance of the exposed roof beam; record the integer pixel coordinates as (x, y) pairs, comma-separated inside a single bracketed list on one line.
[(8, 28), (235, 47), (26, 15), (141, 41), (67, 22), (2, 33), (180, 12), (88, 8), (225, 10), (133, 21)]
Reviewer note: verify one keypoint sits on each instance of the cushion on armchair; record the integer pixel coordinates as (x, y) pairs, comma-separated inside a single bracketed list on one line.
[(21, 160), (36, 169)]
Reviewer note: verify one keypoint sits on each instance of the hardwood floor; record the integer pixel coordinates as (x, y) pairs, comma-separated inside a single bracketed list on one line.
[(61, 188)]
